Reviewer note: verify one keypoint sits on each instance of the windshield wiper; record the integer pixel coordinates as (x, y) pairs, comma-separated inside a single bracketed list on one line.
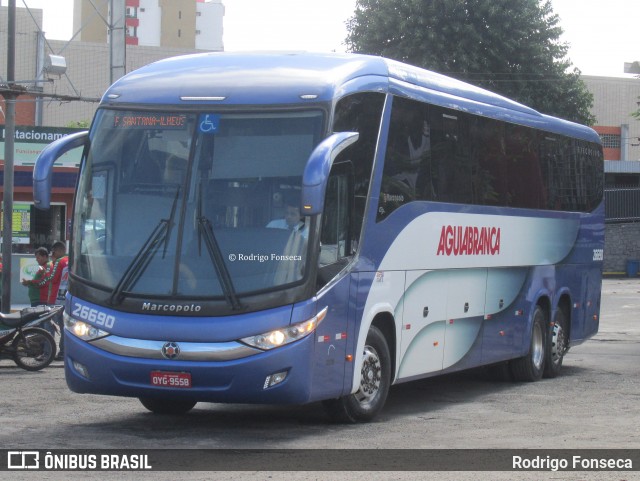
[(143, 257), (205, 230), (170, 222)]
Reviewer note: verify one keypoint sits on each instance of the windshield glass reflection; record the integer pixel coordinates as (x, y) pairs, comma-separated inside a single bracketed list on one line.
[(194, 205)]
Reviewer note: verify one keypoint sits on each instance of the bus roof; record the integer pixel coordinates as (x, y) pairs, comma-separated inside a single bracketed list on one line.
[(288, 78)]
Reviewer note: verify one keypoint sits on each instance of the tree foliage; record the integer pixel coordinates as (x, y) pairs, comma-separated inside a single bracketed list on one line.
[(79, 124), (636, 114), (511, 47)]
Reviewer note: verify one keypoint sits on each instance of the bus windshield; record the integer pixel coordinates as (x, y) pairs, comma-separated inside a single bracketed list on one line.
[(194, 205)]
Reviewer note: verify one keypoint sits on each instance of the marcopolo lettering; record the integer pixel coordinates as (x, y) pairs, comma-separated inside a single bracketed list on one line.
[(152, 307), (469, 241)]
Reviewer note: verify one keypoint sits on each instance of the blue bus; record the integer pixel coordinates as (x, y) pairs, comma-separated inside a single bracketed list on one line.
[(293, 228)]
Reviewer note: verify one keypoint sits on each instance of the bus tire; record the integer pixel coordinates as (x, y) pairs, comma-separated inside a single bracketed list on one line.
[(366, 403), (167, 406), (531, 367), (556, 345)]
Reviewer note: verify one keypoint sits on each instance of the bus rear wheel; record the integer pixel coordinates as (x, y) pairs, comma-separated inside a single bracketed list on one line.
[(531, 367), (167, 406), (557, 343), (375, 379)]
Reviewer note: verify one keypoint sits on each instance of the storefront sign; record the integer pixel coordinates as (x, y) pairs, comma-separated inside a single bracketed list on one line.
[(29, 142), (21, 223)]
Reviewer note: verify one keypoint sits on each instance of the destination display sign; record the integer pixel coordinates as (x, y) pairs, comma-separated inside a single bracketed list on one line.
[(149, 120)]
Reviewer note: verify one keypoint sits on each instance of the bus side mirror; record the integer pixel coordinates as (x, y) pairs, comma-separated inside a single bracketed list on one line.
[(43, 168), (316, 173)]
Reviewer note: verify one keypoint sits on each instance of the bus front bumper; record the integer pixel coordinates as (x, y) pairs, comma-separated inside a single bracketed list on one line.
[(281, 375)]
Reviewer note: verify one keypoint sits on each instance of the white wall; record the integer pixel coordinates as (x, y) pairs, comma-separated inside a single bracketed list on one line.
[(149, 28), (209, 24), (614, 100)]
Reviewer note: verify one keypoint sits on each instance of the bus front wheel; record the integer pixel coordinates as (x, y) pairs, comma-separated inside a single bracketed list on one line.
[(375, 379), (531, 367), (167, 406)]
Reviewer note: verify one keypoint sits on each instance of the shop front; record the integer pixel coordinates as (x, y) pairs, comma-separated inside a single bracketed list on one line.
[(31, 227)]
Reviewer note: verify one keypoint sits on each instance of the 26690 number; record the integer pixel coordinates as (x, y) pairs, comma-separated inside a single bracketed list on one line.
[(94, 316)]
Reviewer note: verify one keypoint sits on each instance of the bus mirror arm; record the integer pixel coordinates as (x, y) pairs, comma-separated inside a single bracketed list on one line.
[(43, 168), (316, 172)]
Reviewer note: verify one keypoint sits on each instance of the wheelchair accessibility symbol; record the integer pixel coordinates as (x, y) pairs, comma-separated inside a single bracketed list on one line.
[(209, 123)]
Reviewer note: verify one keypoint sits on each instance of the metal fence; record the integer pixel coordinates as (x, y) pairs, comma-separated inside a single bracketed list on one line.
[(622, 204)]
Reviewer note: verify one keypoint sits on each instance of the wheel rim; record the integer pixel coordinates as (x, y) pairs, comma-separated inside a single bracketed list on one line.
[(537, 346), (557, 344), (371, 377)]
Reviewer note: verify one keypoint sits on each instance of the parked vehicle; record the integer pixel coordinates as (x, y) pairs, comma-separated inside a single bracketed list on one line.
[(31, 347), (438, 227)]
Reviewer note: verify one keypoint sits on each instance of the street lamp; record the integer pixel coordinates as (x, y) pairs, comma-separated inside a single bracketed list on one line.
[(55, 65)]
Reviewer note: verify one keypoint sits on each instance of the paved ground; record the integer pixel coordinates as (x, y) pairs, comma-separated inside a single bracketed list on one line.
[(594, 404)]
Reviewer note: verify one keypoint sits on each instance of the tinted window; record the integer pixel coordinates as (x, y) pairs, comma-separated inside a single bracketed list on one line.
[(359, 113), (444, 155)]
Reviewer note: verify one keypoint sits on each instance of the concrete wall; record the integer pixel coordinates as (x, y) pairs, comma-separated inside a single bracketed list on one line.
[(621, 244), (178, 24), (614, 98)]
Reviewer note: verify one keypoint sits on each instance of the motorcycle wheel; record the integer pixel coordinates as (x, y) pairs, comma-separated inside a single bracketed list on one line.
[(33, 349)]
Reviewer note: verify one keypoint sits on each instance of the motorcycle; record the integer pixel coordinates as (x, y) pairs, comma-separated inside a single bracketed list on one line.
[(31, 347)]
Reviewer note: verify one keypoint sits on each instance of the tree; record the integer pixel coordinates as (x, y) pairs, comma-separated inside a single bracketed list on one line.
[(511, 47), (79, 124)]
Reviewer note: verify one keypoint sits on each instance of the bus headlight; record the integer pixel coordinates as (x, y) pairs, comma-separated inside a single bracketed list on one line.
[(286, 335), (80, 329)]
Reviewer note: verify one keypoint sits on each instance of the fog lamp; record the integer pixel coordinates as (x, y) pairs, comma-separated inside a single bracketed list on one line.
[(81, 369), (274, 379)]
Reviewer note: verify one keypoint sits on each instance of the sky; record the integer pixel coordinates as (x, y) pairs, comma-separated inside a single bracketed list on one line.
[(602, 33)]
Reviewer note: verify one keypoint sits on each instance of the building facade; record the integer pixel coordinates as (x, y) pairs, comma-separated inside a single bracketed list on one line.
[(614, 99), (190, 24), (81, 87)]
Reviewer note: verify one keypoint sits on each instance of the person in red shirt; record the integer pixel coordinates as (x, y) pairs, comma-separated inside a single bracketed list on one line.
[(57, 280), (40, 295)]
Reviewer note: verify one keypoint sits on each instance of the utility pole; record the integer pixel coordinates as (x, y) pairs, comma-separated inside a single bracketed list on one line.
[(10, 96), (117, 41)]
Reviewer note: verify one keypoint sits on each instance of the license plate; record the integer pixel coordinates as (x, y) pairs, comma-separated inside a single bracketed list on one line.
[(171, 379)]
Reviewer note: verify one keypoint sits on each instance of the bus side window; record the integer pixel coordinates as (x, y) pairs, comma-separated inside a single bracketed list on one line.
[(408, 152), (335, 237), (360, 113)]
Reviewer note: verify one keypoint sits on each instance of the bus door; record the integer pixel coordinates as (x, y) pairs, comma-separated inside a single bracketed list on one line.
[(336, 250), (334, 334)]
